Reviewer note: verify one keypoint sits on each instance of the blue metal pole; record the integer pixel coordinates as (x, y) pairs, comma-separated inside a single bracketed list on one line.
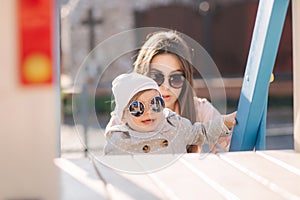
[(264, 45), (261, 134)]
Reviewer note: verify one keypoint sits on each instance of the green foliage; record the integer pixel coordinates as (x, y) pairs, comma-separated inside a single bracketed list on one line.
[(102, 104)]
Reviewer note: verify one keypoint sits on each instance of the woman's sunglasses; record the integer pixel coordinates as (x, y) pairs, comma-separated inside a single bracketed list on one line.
[(175, 80), (137, 108)]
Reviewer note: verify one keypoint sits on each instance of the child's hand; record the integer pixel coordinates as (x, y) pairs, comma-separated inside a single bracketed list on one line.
[(229, 120)]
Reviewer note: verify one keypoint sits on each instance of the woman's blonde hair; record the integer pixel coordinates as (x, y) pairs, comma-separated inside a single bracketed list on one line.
[(170, 42)]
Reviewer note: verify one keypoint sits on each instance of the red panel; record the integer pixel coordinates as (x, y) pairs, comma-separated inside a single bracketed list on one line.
[(36, 41)]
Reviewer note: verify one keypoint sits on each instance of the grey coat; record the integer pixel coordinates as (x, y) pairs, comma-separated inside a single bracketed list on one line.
[(172, 136)]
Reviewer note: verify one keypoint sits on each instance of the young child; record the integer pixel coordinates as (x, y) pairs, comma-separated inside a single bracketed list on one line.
[(144, 125)]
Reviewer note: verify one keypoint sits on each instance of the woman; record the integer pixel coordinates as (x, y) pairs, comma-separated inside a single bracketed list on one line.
[(165, 57)]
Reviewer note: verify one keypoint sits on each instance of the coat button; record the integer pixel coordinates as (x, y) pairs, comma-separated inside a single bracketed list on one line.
[(146, 148), (164, 143)]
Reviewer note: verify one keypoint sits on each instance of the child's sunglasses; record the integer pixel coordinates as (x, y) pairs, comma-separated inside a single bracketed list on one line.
[(137, 108), (175, 80)]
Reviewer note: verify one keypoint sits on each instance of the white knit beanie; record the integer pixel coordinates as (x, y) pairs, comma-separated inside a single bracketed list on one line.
[(125, 86)]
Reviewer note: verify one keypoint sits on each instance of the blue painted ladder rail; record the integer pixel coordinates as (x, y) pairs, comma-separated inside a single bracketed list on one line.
[(250, 132)]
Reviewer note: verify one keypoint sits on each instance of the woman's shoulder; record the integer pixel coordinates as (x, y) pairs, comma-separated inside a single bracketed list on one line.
[(205, 110)]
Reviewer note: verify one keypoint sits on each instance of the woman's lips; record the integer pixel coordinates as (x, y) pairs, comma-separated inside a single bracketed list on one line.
[(166, 97)]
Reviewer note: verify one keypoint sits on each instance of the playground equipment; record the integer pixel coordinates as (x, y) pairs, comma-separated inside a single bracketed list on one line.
[(250, 132), (262, 174)]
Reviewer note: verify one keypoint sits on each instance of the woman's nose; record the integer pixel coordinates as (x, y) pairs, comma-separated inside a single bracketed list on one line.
[(164, 85)]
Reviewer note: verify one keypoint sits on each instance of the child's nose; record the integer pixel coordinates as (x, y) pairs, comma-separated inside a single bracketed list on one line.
[(148, 110)]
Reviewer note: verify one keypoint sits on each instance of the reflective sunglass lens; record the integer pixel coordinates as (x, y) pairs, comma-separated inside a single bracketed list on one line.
[(157, 104), (136, 108)]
